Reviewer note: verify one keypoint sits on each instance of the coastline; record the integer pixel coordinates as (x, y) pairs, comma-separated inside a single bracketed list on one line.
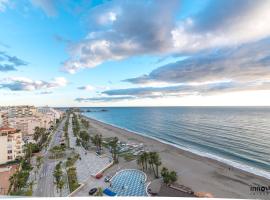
[(229, 163), (197, 172)]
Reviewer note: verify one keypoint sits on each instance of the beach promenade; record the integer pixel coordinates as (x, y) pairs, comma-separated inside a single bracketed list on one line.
[(201, 174)]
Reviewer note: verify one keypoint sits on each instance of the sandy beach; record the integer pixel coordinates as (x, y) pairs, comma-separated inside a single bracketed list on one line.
[(199, 173)]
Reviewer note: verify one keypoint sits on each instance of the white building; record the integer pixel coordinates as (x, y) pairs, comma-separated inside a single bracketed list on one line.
[(21, 111), (55, 114), (11, 144), (27, 124), (26, 118)]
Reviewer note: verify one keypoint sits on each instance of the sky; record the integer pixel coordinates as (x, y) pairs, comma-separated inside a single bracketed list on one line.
[(135, 53)]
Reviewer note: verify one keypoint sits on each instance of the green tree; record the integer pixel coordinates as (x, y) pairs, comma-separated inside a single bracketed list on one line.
[(165, 175), (39, 161), (99, 192), (169, 177), (145, 158), (84, 136), (114, 149), (140, 162), (97, 141), (78, 141), (151, 161), (36, 133), (61, 185), (157, 163), (57, 174), (173, 176)]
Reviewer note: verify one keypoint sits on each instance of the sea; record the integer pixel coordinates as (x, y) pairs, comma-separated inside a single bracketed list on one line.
[(238, 136)]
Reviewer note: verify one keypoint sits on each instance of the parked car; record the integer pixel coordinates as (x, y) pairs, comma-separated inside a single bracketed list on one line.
[(99, 176), (107, 178), (92, 191)]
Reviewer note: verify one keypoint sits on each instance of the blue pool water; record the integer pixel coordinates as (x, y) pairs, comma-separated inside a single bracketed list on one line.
[(129, 183), (239, 136)]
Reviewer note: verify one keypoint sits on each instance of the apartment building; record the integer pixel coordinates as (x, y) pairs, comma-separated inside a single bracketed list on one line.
[(11, 144), (3, 119), (21, 111), (26, 124), (52, 113), (26, 118)]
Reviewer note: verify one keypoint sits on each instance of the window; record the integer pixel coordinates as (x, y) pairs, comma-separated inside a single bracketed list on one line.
[(9, 157), (9, 151)]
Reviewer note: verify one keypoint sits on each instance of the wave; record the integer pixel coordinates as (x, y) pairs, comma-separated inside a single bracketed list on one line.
[(232, 163)]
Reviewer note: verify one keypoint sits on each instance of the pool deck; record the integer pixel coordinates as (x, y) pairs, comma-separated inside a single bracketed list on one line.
[(129, 182), (92, 182)]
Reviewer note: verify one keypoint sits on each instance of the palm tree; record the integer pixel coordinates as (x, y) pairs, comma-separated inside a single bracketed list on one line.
[(12, 182), (157, 163), (140, 161), (58, 175), (99, 140), (28, 151), (114, 149), (61, 186), (165, 175), (95, 141), (36, 133), (145, 158), (151, 161), (39, 161)]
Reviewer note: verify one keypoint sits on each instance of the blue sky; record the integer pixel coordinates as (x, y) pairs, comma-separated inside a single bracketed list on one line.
[(134, 53)]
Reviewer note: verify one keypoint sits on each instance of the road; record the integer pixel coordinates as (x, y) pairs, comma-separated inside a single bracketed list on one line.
[(45, 186)]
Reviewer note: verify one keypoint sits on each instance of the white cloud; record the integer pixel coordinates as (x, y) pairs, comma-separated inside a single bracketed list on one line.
[(26, 84), (134, 31), (250, 23), (87, 88), (248, 62), (107, 18), (59, 82), (141, 28)]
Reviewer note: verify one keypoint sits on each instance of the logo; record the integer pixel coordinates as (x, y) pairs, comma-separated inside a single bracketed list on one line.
[(260, 190)]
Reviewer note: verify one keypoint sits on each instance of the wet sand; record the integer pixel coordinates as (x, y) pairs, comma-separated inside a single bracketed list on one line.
[(199, 173)]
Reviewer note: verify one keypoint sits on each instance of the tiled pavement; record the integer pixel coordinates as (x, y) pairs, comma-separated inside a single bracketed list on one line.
[(90, 163)]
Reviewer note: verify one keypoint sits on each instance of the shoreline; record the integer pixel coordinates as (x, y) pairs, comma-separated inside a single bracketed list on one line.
[(234, 182), (214, 158)]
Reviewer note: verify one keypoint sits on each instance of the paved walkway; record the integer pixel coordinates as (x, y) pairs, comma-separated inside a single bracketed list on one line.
[(90, 163)]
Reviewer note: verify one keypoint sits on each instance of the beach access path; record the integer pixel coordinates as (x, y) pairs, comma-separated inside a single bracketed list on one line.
[(89, 164)]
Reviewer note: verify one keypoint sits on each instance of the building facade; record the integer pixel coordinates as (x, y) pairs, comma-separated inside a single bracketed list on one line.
[(3, 119), (26, 118), (21, 111), (11, 144)]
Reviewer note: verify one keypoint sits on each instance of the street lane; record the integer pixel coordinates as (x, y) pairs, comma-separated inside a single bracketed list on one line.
[(45, 183)]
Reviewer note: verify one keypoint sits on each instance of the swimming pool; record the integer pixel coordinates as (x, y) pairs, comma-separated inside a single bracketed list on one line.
[(130, 182)]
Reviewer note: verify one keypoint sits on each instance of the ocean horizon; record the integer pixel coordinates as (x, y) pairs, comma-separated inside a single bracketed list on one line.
[(238, 136)]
